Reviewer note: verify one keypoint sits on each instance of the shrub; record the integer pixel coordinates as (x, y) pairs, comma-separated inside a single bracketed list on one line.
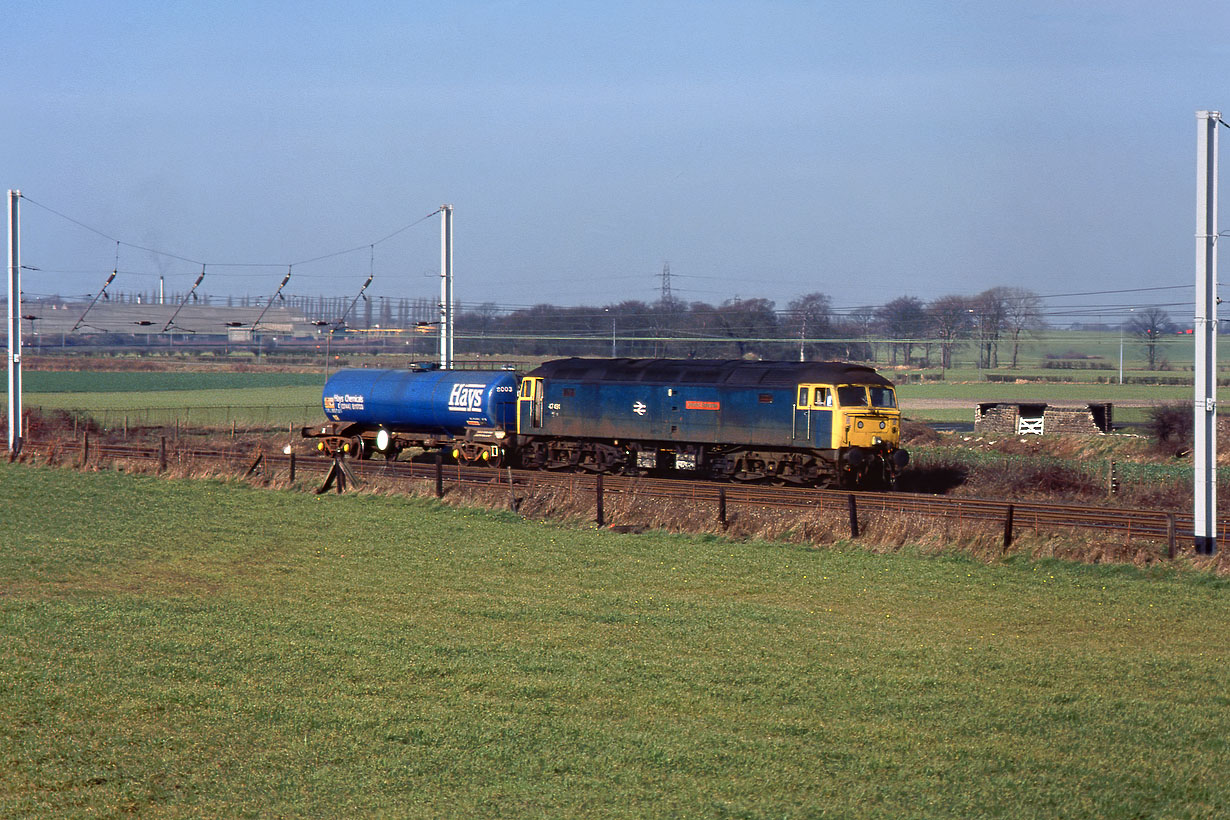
[(1171, 424)]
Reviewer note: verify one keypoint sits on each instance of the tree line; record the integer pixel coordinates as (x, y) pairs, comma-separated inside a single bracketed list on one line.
[(905, 331)]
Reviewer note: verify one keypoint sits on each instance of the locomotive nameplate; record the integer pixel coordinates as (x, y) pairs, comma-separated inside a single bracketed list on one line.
[(703, 405)]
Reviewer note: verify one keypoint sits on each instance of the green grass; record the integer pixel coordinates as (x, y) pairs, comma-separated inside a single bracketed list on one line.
[(97, 381), (181, 649), (162, 398), (1059, 392)]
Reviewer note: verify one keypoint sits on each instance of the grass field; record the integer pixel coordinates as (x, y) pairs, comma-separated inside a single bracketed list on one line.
[(191, 398), (186, 649)]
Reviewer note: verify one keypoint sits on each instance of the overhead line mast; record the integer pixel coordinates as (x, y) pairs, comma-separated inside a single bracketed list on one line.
[(446, 287), (14, 322), (1205, 456)]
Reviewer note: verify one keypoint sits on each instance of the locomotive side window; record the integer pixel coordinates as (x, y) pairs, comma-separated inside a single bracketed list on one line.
[(852, 395), (883, 397), (814, 397), (527, 388)]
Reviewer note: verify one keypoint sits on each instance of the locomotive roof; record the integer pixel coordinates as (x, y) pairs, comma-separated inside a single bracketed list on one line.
[(709, 371)]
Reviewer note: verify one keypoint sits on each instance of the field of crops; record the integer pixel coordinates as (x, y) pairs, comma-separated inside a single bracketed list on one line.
[(183, 649)]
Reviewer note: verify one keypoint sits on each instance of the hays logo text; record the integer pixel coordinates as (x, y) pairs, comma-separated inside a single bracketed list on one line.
[(466, 398)]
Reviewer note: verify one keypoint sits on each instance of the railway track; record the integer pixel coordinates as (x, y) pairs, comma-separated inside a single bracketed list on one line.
[(1127, 523)]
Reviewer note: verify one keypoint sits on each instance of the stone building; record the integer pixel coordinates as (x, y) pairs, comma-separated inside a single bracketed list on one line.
[(1040, 418)]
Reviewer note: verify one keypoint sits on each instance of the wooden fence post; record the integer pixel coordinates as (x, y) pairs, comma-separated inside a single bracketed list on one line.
[(1008, 529), (722, 506), (853, 515), (601, 519), (439, 474), (1170, 536)]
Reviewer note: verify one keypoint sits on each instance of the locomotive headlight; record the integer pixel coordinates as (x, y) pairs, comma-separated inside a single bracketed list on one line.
[(382, 440), (320, 445), (860, 425), (881, 425)]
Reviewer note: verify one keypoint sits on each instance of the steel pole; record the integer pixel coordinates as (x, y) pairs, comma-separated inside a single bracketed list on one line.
[(1205, 332), (446, 287), (14, 322)]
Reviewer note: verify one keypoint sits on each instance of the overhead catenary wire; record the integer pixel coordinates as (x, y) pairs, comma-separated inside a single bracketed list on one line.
[(181, 258)]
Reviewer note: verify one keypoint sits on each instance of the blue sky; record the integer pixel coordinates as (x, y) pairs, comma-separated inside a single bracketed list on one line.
[(864, 150)]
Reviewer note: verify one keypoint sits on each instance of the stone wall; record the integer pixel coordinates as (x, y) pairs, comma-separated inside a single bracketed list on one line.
[(1003, 418)]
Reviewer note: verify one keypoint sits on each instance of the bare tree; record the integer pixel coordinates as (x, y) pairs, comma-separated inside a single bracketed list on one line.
[(1150, 325), (950, 321), (1022, 313), (741, 320), (988, 310), (809, 315), (906, 321)]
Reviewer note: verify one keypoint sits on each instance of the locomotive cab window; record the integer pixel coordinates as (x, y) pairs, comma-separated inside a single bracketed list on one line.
[(882, 397), (527, 388), (804, 396), (852, 395)]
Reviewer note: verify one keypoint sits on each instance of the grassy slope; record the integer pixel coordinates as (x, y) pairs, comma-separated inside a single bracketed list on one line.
[(180, 649)]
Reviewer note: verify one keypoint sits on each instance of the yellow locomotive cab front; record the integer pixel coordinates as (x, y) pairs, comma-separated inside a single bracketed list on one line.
[(869, 417)]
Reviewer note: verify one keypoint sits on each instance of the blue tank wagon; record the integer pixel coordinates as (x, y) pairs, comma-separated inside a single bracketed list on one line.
[(386, 411), (826, 423)]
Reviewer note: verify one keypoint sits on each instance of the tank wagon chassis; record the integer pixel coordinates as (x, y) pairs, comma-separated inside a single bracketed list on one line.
[(475, 446)]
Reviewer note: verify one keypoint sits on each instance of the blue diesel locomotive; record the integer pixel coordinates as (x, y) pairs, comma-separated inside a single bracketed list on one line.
[(807, 423), (813, 423)]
